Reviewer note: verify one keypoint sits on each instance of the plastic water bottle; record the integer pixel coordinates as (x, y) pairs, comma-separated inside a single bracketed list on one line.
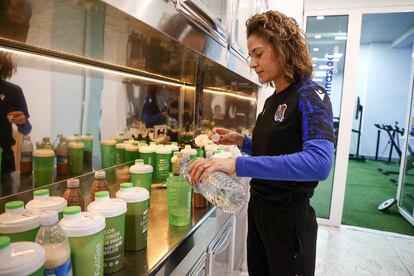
[(53, 239), (26, 159), (220, 189)]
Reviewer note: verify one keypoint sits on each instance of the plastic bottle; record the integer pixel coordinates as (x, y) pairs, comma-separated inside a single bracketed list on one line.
[(99, 184), (73, 193), (56, 245), (220, 189), (26, 158), (62, 164)]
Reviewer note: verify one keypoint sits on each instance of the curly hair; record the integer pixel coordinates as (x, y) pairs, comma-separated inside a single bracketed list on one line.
[(7, 67), (287, 39)]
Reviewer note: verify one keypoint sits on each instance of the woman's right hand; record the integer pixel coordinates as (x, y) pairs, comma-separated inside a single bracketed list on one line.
[(228, 137)]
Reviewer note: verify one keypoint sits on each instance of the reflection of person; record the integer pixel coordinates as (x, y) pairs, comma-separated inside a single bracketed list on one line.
[(13, 110), (15, 18), (172, 108), (290, 151), (151, 113)]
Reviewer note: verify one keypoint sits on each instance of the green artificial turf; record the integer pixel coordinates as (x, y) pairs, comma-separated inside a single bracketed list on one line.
[(366, 188)]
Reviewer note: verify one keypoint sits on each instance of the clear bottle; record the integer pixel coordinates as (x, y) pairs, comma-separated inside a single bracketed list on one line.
[(62, 164), (46, 143), (26, 158), (73, 193), (219, 188), (53, 239), (99, 184)]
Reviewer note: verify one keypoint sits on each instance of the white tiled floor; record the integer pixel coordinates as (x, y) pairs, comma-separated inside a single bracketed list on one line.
[(352, 251)]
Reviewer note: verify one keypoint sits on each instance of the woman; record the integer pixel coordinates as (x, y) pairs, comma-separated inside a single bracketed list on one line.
[(290, 151), (13, 110)]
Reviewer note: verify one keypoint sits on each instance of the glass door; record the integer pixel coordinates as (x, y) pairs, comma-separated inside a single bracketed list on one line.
[(405, 193), (327, 39)]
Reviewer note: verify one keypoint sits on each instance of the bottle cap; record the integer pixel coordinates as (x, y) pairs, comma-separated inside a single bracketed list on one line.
[(146, 149), (140, 168), (42, 201), (72, 183), (109, 142), (100, 174), (126, 185), (72, 210), (133, 194), (132, 147), (120, 146), (80, 224), (108, 207), (17, 219), (41, 193), (17, 204), (46, 152), (48, 217), (101, 194), (22, 258), (163, 150), (76, 145)]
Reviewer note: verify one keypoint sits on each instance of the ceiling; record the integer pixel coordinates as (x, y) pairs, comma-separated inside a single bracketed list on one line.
[(375, 28)]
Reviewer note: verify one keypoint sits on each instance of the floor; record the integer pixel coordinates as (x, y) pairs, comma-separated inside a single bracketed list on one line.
[(359, 251)]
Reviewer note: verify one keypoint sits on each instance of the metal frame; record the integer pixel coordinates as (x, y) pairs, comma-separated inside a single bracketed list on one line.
[(347, 102)]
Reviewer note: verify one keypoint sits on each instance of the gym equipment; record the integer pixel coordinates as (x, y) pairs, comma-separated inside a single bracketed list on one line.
[(358, 115), (387, 204)]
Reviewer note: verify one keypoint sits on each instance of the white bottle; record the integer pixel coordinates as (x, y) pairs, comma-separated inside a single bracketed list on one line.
[(53, 239), (219, 188)]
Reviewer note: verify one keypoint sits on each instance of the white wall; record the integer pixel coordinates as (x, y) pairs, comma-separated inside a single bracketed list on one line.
[(114, 109), (293, 8), (383, 84), (353, 4)]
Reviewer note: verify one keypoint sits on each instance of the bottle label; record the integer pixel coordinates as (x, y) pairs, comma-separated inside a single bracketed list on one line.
[(26, 156), (61, 159), (64, 269)]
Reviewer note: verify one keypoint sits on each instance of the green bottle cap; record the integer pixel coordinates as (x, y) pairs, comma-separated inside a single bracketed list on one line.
[(4, 242), (126, 185), (14, 204), (72, 210), (41, 192), (102, 194)]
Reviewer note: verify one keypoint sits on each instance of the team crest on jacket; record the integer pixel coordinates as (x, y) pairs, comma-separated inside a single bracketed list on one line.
[(280, 113)]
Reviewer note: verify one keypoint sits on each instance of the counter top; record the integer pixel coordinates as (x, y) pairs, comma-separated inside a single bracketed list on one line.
[(163, 239)]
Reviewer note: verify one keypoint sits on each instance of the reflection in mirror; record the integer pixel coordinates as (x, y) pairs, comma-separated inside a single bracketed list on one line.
[(73, 108)]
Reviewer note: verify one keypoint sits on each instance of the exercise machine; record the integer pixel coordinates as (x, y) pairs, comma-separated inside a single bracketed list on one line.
[(358, 116)]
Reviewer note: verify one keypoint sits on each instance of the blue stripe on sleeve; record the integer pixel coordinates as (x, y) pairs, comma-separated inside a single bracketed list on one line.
[(247, 145), (313, 163)]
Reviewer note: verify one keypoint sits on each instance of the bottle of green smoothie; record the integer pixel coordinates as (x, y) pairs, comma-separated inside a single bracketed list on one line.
[(18, 223), (113, 209), (86, 239), (21, 258), (136, 218)]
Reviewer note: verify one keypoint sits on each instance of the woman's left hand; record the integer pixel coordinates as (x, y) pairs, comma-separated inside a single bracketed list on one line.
[(202, 168)]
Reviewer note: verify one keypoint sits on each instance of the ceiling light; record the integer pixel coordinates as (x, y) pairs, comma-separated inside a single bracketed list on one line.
[(314, 65), (318, 36), (315, 49), (341, 37), (317, 79), (324, 67), (320, 17), (314, 58), (320, 73)]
